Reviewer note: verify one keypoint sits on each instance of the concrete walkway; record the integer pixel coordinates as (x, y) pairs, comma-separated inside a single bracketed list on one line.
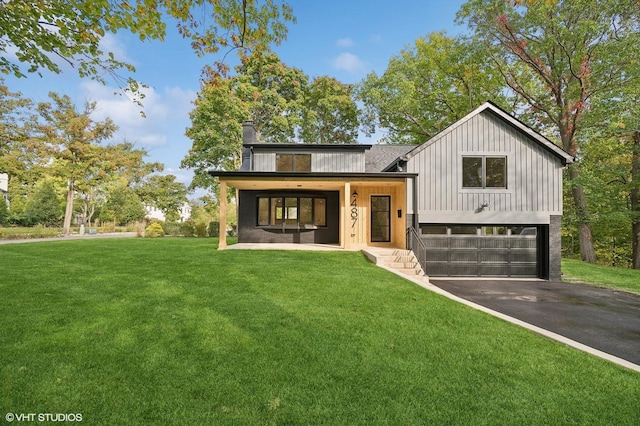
[(72, 237), (283, 246)]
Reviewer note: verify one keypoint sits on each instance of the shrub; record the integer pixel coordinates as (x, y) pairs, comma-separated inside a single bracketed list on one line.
[(154, 230), (44, 207), (107, 227), (171, 228), (201, 229), (187, 229), (214, 229), (38, 231)]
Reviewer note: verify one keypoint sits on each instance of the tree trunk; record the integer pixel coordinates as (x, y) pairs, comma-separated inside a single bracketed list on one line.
[(68, 213), (635, 201), (587, 252)]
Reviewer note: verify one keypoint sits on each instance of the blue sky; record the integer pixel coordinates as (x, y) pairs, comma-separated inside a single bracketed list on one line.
[(343, 39)]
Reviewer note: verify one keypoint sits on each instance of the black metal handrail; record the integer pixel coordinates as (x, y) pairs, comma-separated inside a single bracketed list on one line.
[(415, 244)]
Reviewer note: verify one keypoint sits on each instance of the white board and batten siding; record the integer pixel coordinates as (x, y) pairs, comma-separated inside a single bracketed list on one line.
[(534, 176), (321, 162)]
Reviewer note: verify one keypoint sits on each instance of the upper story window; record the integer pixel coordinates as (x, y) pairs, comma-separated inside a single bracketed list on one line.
[(484, 172), (293, 162)]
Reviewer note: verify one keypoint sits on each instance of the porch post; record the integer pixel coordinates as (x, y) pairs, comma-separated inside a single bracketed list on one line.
[(222, 202), (344, 229)]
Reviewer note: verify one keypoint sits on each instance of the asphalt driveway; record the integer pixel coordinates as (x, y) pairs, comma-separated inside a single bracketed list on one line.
[(602, 319)]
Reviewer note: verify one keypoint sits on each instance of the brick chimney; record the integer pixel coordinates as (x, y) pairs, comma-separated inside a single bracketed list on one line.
[(249, 134)]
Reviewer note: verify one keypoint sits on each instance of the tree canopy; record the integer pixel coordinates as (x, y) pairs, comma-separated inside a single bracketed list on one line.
[(73, 140), (57, 143), (164, 193), (329, 115), (37, 35), (280, 102), (428, 86)]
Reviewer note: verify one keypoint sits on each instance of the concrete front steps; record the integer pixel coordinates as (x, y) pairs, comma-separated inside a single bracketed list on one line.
[(402, 262)]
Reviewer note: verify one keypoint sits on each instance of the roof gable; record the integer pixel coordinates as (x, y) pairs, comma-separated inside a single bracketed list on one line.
[(490, 107)]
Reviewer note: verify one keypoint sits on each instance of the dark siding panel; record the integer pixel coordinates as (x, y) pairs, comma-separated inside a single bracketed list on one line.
[(249, 232)]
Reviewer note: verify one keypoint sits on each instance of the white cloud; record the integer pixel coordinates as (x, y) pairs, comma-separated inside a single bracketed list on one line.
[(111, 43), (344, 42), (166, 113), (182, 175), (348, 62)]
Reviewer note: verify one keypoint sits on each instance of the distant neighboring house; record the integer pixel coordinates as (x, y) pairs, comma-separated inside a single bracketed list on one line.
[(157, 214), (4, 187), (484, 196)]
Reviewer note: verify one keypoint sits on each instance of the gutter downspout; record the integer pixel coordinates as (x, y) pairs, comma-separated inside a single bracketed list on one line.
[(415, 200)]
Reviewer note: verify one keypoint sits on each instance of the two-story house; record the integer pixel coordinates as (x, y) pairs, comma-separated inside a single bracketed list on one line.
[(485, 196)]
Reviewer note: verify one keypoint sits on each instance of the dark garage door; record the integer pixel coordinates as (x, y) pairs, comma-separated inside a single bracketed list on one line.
[(481, 255)]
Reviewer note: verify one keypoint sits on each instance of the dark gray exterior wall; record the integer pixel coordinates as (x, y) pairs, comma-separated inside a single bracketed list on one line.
[(249, 232), (555, 248)]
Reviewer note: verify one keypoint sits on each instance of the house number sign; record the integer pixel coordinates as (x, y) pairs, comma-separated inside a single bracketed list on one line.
[(354, 210)]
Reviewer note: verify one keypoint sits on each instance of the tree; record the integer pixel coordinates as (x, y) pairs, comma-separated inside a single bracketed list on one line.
[(13, 108), (557, 56), (605, 176), (163, 192), (44, 207), (121, 164), (128, 165), (73, 140), (123, 206), (634, 197), (427, 87), (613, 129), (330, 114), (4, 212), (265, 91), (20, 154), (42, 34), (278, 100), (273, 93)]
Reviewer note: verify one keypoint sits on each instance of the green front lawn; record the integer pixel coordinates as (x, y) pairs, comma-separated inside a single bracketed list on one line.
[(171, 331), (616, 278)]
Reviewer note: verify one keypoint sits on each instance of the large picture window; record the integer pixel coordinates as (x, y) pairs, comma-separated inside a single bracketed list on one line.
[(293, 162), (484, 172), (292, 212)]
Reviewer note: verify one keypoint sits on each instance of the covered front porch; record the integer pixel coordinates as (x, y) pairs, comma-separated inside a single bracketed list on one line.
[(359, 211)]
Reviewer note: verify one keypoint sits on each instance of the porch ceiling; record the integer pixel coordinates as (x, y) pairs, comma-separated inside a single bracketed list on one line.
[(328, 184)]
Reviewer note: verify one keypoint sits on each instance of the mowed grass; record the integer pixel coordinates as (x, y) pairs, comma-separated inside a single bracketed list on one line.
[(616, 278), (171, 331)]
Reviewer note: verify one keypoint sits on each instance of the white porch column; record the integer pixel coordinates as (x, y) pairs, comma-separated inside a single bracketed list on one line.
[(222, 202)]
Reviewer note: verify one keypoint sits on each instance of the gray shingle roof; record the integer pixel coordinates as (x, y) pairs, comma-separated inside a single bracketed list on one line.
[(380, 156)]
